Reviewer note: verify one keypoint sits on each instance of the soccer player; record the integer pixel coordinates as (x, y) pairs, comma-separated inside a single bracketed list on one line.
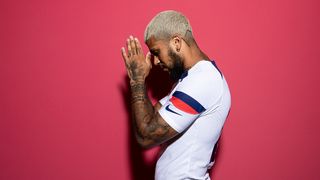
[(189, 120)]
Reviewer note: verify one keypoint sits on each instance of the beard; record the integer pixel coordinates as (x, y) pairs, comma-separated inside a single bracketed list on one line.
[(177, 66)]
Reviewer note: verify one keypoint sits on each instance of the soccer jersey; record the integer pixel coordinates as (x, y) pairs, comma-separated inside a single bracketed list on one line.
[(197, 108)]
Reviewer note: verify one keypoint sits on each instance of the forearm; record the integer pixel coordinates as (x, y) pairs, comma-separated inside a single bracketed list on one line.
[(142, 111)]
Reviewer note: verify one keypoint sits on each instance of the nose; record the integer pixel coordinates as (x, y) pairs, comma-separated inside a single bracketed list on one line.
[(156, 60)]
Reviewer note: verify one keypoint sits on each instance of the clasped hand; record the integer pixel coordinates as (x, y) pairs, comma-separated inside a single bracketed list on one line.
[(138, 66)]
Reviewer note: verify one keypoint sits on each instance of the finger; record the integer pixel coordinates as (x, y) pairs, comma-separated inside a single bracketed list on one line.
[(133, 45), (139, 48), (129, 48), (124, 56)]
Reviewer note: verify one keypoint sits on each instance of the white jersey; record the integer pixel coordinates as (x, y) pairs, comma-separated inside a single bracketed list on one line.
[(197, 108)]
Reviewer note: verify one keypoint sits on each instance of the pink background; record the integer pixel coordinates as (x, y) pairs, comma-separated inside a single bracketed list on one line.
[(63, 112)]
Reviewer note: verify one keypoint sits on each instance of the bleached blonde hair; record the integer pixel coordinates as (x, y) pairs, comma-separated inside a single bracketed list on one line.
[(166, 24)]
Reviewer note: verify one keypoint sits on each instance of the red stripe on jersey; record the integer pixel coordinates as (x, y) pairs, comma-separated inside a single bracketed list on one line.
[(182, 105)]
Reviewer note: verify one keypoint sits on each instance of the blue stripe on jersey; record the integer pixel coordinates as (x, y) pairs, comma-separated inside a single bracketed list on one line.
[(215, 65), (189, 100)]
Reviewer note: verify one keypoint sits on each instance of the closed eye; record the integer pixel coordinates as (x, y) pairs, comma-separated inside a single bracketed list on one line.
[(154, 52)]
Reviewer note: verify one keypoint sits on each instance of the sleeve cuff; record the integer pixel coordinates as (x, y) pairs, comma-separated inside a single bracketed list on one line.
[(171, 122)]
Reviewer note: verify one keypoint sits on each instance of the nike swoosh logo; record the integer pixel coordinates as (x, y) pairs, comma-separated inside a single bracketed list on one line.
[(170, 110)]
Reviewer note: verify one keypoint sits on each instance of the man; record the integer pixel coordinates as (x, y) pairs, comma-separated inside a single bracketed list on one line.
[(189, 120)]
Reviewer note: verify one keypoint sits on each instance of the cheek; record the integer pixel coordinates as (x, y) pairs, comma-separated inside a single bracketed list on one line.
[(166, 62), (170, 61)]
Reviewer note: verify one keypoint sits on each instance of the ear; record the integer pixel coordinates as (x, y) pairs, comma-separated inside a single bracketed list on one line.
[(176, 43)]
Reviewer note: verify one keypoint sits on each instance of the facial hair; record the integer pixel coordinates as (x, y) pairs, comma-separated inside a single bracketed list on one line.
[(177, 65)]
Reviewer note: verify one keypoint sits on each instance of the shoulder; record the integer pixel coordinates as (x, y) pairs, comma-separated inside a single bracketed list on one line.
[(203, 82)]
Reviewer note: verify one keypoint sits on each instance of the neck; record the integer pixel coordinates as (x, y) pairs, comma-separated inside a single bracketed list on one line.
[(194, 55)]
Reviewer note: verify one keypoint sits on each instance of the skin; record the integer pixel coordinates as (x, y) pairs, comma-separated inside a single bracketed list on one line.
[(150, 128)]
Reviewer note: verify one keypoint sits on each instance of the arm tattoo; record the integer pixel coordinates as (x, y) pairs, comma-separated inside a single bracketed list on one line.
[(137, 98), (158, 130), (157, 133), (135, 71), (138, 88), (138, 91), (147, 126)]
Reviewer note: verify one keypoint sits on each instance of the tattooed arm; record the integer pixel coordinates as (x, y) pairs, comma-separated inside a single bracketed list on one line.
[(150, 128)]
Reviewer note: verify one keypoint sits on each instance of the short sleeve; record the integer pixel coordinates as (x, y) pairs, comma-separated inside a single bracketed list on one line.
[(196, 93), (181, 110)]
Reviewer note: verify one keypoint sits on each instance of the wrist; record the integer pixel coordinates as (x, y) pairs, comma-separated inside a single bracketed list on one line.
[(136, 81), (138, 90)]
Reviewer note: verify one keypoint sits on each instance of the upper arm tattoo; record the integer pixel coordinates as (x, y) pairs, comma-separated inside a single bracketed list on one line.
[(158, 131)]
